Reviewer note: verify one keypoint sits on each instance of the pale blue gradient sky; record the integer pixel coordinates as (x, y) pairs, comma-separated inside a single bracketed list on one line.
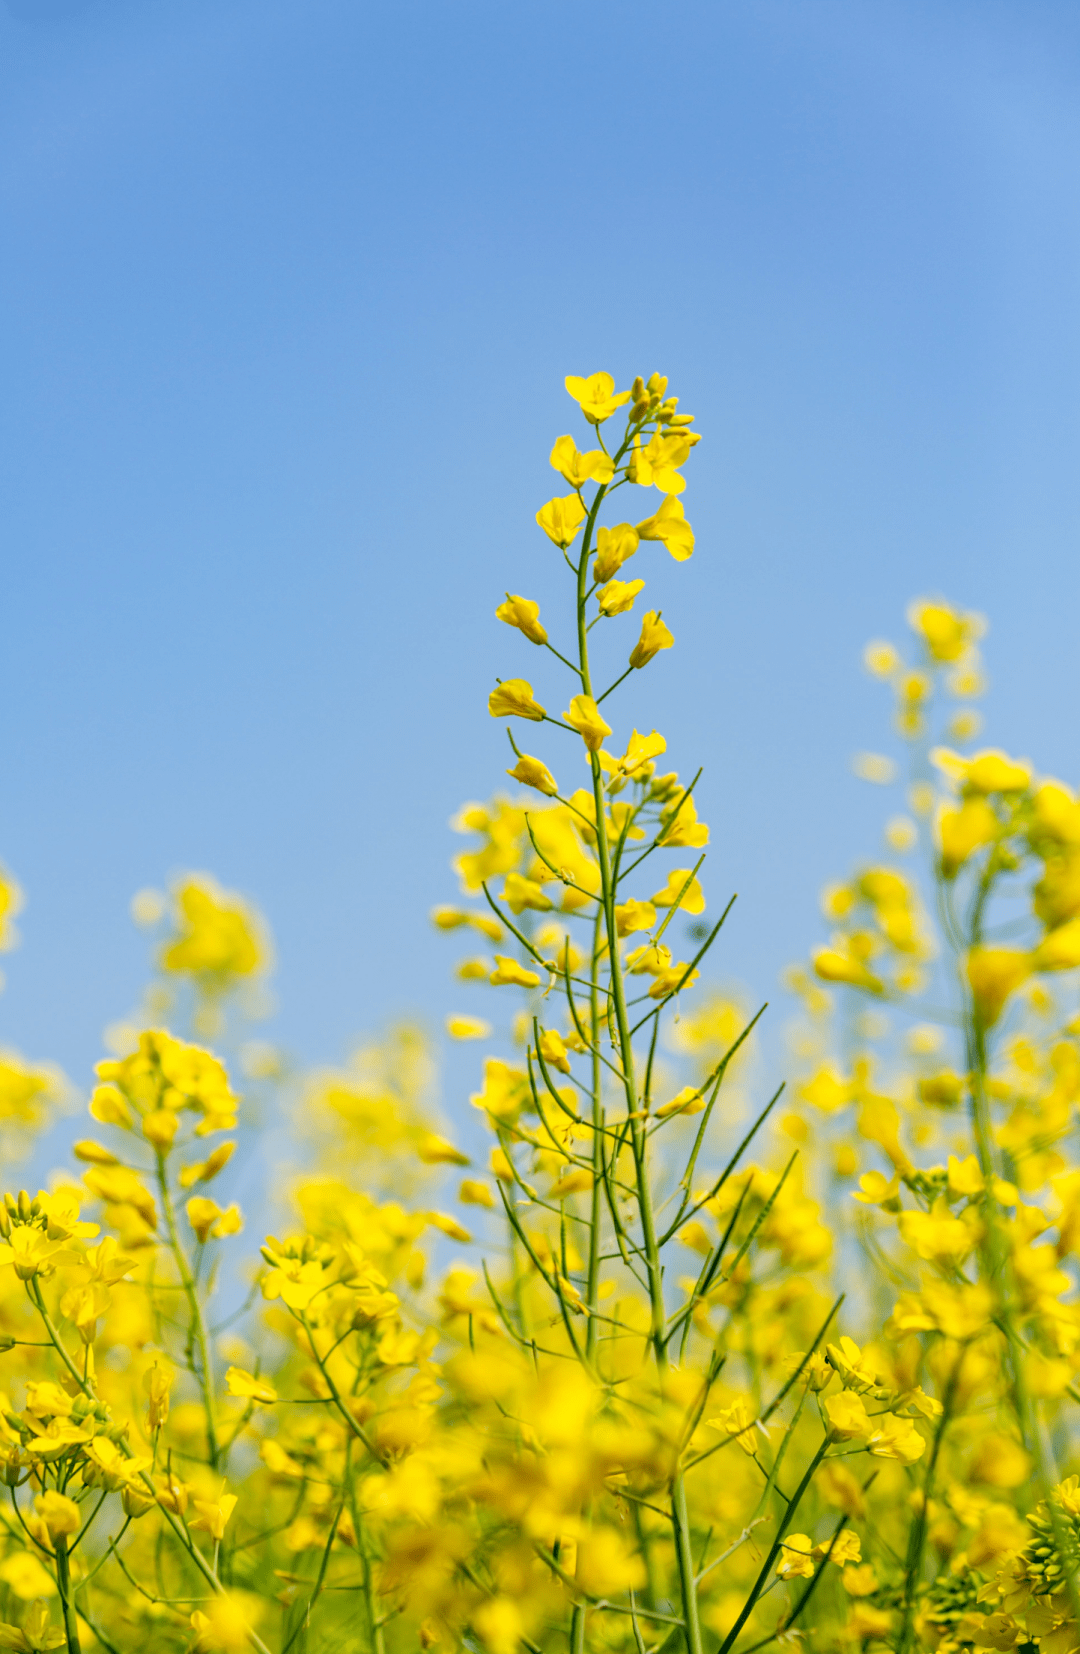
[(287, 294)]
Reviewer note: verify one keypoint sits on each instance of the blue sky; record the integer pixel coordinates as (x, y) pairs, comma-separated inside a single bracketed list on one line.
[(287, 294)]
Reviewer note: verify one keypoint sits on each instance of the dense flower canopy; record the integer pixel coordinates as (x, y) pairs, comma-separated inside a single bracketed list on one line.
[(683, 1364)]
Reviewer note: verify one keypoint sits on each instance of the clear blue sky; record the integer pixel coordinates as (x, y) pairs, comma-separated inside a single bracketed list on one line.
[(287, 294)]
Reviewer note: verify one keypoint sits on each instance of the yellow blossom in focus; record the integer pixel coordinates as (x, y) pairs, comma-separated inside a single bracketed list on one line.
[(532, 773), (846, 1548), (669, 525), (514, 699), (617, 597), (561, 518), (553, 1050), (693, 899), (613, 547), (583, 715), (596, 396), (578, 469), (681, 827), (295, 1280), (640, 751), (672, 980), (33, 1253), (654, 637), (795, 1560), (525, 615), (633, 915), (847, 1416), (656, 465)]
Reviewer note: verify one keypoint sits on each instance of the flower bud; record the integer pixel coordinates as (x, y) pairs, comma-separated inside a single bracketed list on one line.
[(135, 1500)]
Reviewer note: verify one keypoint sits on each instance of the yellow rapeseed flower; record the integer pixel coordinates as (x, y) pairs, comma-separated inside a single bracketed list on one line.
[(596, 396), (532, 773), (514, 699), (561, 518), (584, 715), (578, 469), (670, 526), (654, 637), (617, 597), (613, 547), (524, 614)]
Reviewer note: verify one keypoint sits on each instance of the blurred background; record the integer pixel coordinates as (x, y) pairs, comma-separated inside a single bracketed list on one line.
[(287, 295)]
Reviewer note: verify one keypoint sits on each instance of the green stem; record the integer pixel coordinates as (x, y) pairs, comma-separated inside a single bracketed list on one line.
[(592, 1281), (917, 1541), (67, 1596), (774, 1550), (197, 1329), (679, 1511)]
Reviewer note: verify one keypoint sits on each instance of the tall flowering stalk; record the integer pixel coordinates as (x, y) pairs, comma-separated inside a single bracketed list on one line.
[(622, 1200), (654, 444)]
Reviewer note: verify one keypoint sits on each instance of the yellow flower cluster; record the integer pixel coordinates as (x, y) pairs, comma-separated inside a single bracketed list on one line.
[(721, 1377)]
